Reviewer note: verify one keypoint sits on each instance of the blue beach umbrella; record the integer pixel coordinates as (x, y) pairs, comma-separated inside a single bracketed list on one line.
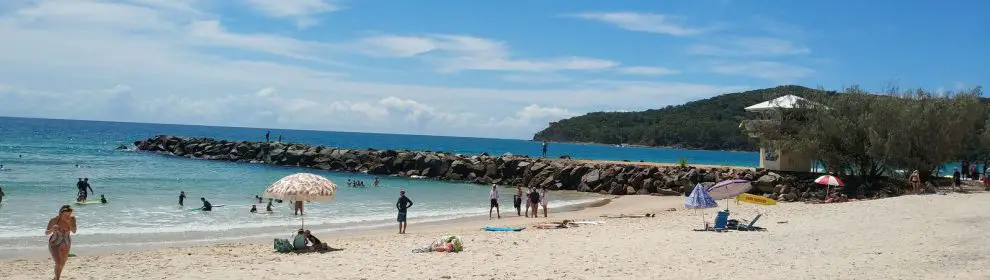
[(700, 199)]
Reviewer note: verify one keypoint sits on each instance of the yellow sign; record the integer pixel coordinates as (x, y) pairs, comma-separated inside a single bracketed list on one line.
[(755, 199)]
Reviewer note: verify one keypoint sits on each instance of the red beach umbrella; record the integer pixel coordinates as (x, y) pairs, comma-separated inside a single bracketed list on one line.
[(829, 180)]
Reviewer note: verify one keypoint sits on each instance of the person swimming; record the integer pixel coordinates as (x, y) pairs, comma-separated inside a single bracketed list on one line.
[(103, 199), (254, 208), (206, 205), (258, 197)]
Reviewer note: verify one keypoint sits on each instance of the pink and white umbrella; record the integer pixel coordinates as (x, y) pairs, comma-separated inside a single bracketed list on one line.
[(829, 180)]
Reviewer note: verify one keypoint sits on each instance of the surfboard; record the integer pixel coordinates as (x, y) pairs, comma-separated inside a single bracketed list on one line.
[(201, 208), (88, 202), (502, 229)]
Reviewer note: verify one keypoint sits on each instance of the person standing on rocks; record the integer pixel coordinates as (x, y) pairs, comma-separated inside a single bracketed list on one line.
[(544, 149), (494, 202), (268, 135), (402, 205)]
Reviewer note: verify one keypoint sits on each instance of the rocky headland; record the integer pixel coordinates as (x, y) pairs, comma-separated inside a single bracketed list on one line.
[(558, 174)]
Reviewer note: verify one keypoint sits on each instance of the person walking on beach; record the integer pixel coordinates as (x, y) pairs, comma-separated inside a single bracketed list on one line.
[(915, 180), (544, 149), (965, 167), (182, 197), (957, 178), (59, 231), (206, 205), (402, 205), (544, 199), (534, 200), (494, 202), (269, 207), (517, 200)]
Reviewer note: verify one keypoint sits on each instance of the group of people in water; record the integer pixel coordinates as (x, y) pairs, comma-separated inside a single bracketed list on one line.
[(360, 184)]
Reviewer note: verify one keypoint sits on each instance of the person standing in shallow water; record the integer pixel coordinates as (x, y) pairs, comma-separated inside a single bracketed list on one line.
[(494, 202), (402, 205), (182, 197), (544, 149), (298, 209), (517, 200), (59, 231)]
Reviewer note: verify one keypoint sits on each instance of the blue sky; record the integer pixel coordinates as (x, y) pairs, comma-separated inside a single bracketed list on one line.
[(466, 68)]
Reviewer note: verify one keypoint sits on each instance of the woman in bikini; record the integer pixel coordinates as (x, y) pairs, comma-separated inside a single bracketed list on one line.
[(915, 180), (59, 237)]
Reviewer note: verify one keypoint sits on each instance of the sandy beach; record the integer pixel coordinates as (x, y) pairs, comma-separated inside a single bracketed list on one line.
[(910, 237)]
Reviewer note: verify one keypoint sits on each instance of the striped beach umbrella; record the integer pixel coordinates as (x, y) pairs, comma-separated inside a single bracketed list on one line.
[(302, 187), (829, 180)]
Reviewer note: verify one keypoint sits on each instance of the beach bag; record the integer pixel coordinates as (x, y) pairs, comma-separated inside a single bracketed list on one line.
[(283, 245)]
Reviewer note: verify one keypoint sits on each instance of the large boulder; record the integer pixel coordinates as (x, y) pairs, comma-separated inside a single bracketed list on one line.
[(591, 178), (378, 169), (766, 182)]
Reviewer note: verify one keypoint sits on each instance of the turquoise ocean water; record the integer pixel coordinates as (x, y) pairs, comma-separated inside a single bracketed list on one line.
[(40, 159)]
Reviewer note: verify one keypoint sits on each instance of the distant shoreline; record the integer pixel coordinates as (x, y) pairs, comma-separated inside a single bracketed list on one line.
[(648, 146)]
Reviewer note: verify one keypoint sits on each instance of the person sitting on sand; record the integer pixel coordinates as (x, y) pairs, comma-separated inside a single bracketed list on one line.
[(103, 199), (254, 208), (315, 243), (299, 242)]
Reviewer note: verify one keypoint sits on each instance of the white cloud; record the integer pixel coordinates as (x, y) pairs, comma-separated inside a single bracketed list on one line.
[(535, 78), (453, 53), (762, 69), (303, 12), (644, 22), (648, 71), (210, 32), (110, 72), (750, 46)]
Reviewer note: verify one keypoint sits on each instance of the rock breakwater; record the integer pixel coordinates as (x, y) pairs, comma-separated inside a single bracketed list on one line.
[(557, 174)]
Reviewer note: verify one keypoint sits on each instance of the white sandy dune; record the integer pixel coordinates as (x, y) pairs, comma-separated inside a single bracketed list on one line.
[(911, 237)]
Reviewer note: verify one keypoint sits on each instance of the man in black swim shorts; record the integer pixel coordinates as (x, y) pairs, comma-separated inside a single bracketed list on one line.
[(494, 205), (403, 204)]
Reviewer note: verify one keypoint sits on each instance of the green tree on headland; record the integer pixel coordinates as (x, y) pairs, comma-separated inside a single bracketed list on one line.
[(867, 135), (711, 124)]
